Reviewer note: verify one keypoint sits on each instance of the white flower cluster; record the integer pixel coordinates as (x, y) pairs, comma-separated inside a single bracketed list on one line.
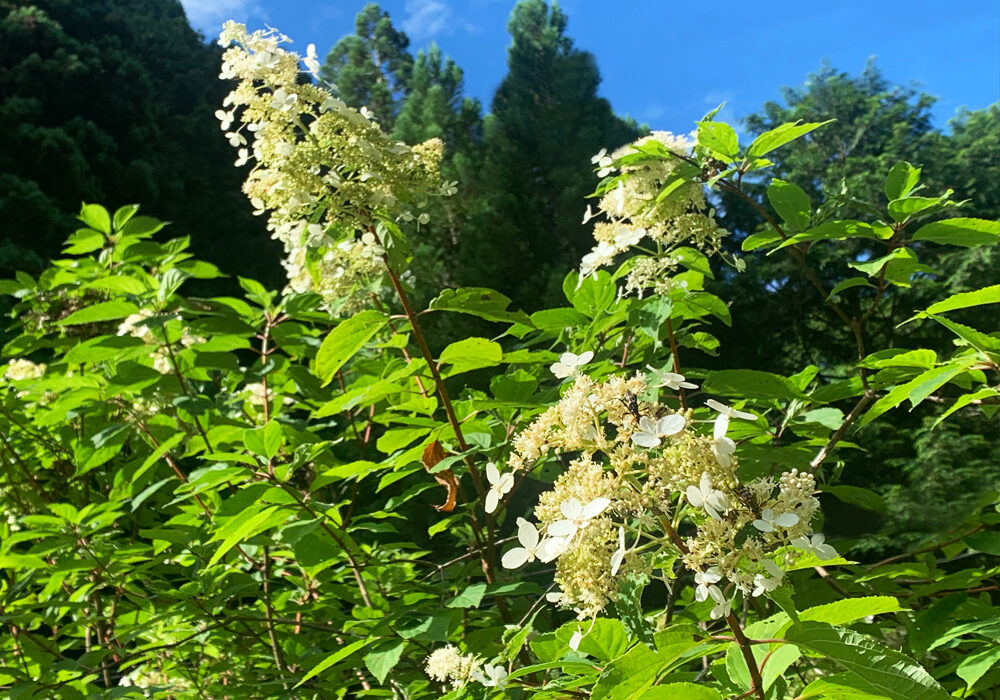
[(633, 210), (20, 369), (324, 172), (448, 665), (635, 470)]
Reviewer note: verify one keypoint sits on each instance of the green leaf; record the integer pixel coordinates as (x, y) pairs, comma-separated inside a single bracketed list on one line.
[(96, 217), (266, 441), (791, 202), (905, 207), (384, 659), (933, 622), (341, 344), (471, 353), (963, 232), (469, 598), (761, 240), (901, 180), (482, 302), (751, 384), (606, 640), (777, 137), (430, 629), (594, 295), (965, 300), (857, 496), (720, 138), (84, 240), (881, 669), (681, 691), (103, 311), (247, 528), (975, 666), (840, 686), (124, 214), (839, 231), (333, 658), (628, 676)]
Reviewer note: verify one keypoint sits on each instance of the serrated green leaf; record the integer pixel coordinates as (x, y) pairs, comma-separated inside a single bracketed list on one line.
[(964, 232), (384, 659), (751, 384), (779, 136), (718, 137), (482, 302), (344, 341), (334, 658), (791, 202), (102, 311), (470, 354), (96, 217), (881, 669), (901, 180)]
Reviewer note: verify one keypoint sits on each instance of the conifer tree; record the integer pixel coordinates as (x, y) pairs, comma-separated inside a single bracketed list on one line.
[(113, 101), (546, 123), (371, 68)]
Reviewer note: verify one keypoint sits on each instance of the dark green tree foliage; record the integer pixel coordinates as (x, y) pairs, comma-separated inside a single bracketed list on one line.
[(876, 125), (372, 68), (113, 100), (546, 122), (435, 107)]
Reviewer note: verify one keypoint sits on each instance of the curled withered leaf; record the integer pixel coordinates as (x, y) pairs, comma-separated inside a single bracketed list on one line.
[(433, 454)]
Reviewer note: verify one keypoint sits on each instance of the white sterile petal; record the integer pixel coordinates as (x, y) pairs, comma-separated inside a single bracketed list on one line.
[(619, 554), (584, 358), (786, 520), (716, 406), (647, 440), (595, 508), (492, 473), (506, 483), (550, 548), (825, 552), (763, 525), (571, 508), (647, 425), (562, 528), (554, 596), (701, 593), (717, 595), (527, 534), (560, 370), (725, 446), (717, 499), (515, 558), (694, 496), (670, 425), (742, 414), (801, 543), (721, 426), (616, 561), (773, 568), (568, 359), (492, 500), (574, 641)]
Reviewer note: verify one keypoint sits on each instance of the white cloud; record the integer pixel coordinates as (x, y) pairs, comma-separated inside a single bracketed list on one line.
[(208, 15), (425, 18)]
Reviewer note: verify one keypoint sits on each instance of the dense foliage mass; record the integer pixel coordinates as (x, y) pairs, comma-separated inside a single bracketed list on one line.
[(745, 448)]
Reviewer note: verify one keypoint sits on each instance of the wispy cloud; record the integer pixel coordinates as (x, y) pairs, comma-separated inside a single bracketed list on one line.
[(426, 19), (209, 15)]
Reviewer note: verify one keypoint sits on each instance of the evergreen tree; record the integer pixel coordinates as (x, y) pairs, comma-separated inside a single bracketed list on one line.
[(112, 101), (546, 123), (371, 68)]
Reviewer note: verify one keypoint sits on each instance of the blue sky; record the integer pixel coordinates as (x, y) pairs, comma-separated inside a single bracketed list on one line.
[(667, 63)]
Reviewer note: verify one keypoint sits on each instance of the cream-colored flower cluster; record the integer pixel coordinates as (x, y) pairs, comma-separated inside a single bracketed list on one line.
[(20, 369), (326, 174), (642, 484), (447, 664), (635, 214)]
